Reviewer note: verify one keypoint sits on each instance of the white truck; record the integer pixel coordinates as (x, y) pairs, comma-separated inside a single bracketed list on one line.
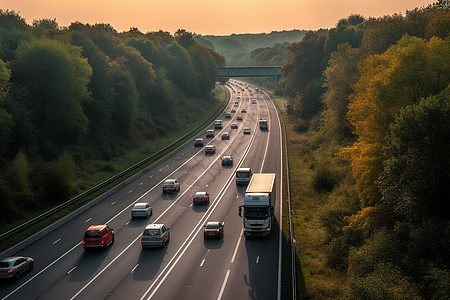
[(263, 124), (258, 209)]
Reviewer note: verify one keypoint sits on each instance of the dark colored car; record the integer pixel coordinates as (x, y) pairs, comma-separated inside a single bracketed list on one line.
[(198, 142), (213, 230), (227, 161), (155, 235), (234, 126), (200, 198), (239, 118), (210, 149), (243, 110), (98, 236), (171, 185), (225, 136), (210, 133), (13, 267)]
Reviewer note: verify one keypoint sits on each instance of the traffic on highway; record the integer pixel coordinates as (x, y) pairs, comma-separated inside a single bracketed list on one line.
[(201, 223)]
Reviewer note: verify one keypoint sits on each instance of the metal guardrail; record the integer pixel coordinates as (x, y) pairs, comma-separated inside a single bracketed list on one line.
[(105, 183), (291, 226)]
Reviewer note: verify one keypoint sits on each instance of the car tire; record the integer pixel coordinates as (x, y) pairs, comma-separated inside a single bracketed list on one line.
[(112, 241), (31, 265)]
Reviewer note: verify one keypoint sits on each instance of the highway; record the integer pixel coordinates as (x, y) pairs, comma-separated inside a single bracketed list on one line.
[(189, 267)]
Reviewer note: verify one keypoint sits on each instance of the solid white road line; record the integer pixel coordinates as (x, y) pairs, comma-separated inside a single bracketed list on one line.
[(223, 285)]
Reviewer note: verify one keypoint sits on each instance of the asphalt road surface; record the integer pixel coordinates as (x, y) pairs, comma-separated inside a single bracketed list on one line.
[(189, 267)]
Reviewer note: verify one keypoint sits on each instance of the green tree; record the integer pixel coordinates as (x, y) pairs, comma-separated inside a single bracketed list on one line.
[(56, 78), (6, 120), (408, 71), (416, 176)]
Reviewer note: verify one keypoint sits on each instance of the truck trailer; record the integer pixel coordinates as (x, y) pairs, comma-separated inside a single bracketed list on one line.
[(258, 209), (263, 124)]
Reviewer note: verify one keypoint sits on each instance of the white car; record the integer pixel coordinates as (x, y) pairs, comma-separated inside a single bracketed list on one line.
[(141, 210)]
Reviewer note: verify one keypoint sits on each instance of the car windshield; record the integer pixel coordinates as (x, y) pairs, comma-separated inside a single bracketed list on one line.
[(212, 226), (167, 182), (4, 264), (92, 234), (200, 194), (256, 213), (140, 205), (242, 175), (152, 231)]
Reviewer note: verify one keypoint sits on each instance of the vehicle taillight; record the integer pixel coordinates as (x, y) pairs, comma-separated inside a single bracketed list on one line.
[(205, 230), (195, 197), (217, 231), (164, 186), (158, 237), (174, 186)]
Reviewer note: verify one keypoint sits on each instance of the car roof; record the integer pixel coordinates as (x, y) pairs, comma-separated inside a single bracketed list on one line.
[(201, 193), (170, 180), (96, 227), (141, 204), (227, 156), (210, 130), (150, 226), (213, 223), (11, 259), (209, 146), (199, 139)]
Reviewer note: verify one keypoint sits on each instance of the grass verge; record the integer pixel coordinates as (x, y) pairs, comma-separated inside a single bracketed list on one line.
[(314, 279)]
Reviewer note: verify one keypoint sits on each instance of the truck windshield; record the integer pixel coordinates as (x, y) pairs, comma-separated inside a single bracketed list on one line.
[(256, 213)]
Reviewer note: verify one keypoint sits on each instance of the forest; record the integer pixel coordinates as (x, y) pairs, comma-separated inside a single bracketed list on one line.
[(374, 96), (70, 96)]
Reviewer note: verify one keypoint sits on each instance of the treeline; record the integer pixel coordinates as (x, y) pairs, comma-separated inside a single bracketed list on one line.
[(376, 93), (68, 95)]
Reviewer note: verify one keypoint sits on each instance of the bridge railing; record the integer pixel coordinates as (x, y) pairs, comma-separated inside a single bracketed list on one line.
[(252, 64)]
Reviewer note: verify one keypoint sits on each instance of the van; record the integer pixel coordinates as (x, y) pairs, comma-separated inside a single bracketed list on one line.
[(243, 175)]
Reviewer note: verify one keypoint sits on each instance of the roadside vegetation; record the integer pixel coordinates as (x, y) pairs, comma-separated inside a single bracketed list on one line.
[(83, 102), (368, 111)]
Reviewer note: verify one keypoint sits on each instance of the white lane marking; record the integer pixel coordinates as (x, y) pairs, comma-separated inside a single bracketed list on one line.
[(173, 160), (177, 256), (71, 270), (40, 272), (160, 170), (113, 203), (237, 246), (203, 261), (257, 259), (223, 285), (87, 220), (134, 268), (151, 176), (130, 191), (56, 241), (191, 205), (140, 183), (207, 185), (237, 196), (99, 273), (127, 223), (167, 166)]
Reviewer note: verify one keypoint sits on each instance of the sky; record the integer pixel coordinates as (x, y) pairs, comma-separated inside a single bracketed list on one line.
[(207, 17)]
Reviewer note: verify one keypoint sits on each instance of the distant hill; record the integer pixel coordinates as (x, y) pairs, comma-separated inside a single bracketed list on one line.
[(238, 47)]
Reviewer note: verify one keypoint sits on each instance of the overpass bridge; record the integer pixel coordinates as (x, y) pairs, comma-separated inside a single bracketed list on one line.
[(250, 69)]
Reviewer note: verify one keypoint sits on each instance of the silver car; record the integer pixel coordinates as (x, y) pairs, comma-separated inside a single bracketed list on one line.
[(171, 185), (14, 267), (155, 235), (141, 210)]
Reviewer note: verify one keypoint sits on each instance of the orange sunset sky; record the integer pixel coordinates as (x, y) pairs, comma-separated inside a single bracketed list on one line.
[(204, 17)]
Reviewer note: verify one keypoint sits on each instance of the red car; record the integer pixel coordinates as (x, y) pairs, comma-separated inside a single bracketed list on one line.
[(243, 111), (98, 236)]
